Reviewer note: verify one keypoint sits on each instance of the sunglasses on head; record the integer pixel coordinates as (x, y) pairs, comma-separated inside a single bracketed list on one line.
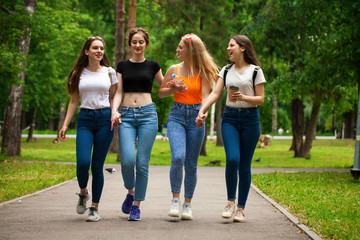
[(96, 37)]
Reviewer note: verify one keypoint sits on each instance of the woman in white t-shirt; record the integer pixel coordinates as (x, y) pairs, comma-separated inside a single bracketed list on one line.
[(240, 126), (91, 79)]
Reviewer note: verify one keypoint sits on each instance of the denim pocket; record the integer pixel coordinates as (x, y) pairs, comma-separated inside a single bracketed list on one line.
[(124, 112), (148, 112)]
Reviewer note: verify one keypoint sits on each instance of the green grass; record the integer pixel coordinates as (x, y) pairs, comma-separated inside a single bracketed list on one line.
[(327, 202), (21, 178), (324, 153)]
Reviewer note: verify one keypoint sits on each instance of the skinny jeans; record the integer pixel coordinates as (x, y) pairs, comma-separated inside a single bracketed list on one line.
[(185, 140), (240, 128), (137, 123), (93, 136)]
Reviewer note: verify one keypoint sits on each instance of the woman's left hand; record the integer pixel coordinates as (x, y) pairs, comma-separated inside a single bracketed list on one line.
[(238, 96), (115, 119)]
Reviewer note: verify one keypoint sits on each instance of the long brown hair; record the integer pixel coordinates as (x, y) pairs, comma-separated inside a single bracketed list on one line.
[(199, 58), (81, 63), (249, 54)]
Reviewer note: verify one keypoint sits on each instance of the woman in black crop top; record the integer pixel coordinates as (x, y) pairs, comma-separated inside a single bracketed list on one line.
[(138, 119)]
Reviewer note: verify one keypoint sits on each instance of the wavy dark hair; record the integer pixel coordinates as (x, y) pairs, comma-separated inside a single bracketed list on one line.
[(249, 54), (81, 63)]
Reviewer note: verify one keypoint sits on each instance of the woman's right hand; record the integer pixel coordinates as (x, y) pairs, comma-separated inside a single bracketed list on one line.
[(200, 119), (62, 133)]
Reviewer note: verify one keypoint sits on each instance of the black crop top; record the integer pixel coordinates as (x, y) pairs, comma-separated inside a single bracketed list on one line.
[(138, 77)]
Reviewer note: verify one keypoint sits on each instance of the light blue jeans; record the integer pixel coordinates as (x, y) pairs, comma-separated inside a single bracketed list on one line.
[(185, 140), (240, 128), (93, 136), (137, 123)]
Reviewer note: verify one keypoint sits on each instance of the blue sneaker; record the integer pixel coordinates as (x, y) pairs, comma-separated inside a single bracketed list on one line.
[(135, 214), (127, 204)]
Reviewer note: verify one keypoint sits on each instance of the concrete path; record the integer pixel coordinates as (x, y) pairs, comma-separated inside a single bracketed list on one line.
[(51, 214)]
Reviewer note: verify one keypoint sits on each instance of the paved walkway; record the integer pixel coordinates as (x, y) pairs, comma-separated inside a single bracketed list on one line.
[(51, 214)]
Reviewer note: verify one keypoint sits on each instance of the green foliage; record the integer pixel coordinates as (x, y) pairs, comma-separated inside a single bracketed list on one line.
[(55, 44), (327, 202), (308, 49)]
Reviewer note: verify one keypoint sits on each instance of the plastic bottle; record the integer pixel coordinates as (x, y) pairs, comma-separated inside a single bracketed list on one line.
[(177, 79)]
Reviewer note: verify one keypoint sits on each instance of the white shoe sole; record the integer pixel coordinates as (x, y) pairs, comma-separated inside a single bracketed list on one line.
[(184, 217), (173, 214), (92, 219), (226, 216), (239, 220)]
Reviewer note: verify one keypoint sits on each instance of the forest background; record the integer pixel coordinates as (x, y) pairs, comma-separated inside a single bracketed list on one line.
[(309, 52)]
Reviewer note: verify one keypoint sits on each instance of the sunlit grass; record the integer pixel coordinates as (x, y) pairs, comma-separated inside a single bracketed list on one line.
[(327, 202), (21, 178)]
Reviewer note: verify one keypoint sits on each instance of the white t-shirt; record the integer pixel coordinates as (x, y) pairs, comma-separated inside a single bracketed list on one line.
[(244, 81), (94, 88)]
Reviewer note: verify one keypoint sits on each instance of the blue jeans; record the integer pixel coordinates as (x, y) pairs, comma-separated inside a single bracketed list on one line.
[(93, 134), (137, 123), (240, 129), (185, 140)]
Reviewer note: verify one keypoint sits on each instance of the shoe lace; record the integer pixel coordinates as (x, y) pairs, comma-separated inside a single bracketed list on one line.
[(81, 199), (134, 211), (240, 212), (228, 206), (92, 211)]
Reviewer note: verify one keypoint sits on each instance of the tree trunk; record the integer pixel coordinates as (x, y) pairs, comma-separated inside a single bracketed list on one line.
[(274, 114), (119, 31), (311, 128), (203, 147), (32, 125), (131, 23), (51, 124), (298, 126), (349, 124), (119, 55), (218, 117), (11, 144)]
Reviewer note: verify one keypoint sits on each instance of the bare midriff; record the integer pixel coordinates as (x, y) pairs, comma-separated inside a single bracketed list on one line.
[(136, 99)]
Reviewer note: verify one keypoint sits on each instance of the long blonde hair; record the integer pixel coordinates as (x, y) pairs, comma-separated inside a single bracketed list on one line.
[(199, 58)]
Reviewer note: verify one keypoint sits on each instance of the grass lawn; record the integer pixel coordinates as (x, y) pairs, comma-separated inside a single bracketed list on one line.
[(329, 203), (20, 178), (324, 153)]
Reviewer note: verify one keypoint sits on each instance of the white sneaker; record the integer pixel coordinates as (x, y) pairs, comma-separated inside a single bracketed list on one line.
[(81, 205), (229, 210), (239, 215), (175, 208), (93, 215), (186, 212)]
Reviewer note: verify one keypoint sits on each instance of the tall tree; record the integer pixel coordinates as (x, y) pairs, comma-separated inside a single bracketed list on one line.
[(119, 55), (11, 144), (131, 22)]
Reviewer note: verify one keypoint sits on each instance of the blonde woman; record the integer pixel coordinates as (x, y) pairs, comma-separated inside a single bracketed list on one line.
[(191, 87)]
